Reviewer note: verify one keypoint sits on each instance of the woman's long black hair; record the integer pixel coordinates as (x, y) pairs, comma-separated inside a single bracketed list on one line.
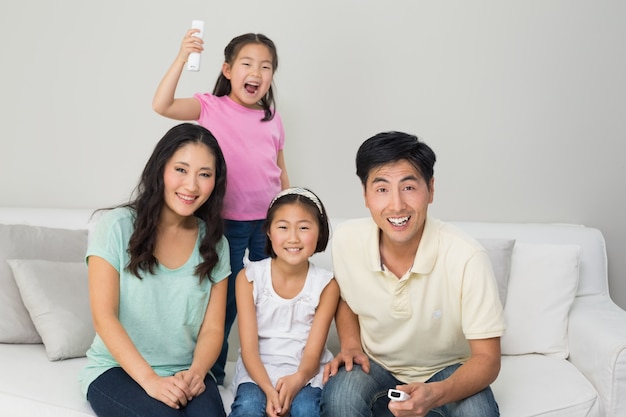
[(149, 201)]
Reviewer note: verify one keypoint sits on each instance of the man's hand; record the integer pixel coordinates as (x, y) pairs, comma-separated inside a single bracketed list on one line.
[(420, 403), (346, 358)]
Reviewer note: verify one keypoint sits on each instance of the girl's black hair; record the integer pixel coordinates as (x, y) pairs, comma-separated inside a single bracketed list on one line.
[(222, 85), (311, 207), (149, 202)]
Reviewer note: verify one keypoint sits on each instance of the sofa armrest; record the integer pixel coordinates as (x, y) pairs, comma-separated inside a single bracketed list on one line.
[(597, 344)]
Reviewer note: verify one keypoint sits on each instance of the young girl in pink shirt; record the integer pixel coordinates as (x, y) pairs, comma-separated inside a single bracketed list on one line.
[(241, 115)]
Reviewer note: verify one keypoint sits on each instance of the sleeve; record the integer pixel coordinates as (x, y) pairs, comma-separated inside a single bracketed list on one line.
[(221, 271), (281, 131), (108, 241), (483, 316), (206, 101), (322, 277)]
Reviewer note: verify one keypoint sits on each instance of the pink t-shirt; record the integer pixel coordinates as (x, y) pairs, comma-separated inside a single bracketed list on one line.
[(250, 148)]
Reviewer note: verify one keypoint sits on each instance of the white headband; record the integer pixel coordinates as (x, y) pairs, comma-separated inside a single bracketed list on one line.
[(299, 191)]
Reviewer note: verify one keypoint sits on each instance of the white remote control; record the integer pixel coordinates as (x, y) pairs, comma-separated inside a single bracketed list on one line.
[(397, 395), (193, 62)]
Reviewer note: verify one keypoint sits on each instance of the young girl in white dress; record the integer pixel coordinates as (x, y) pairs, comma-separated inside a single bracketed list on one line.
[(286, 305)]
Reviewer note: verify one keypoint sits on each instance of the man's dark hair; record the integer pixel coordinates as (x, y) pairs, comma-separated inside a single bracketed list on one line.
[(390, 147)]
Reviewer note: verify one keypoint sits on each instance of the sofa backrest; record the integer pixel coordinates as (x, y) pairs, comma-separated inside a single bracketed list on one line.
[(593, 271), (60, 218), (593, 264)]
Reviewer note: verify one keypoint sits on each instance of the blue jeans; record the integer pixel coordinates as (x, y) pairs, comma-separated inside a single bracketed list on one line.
[(250, 401), (360, 394), (115, 394), (241, 235)]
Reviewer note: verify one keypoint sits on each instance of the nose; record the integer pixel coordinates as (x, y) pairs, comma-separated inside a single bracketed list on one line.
[(396, 202), (293, 235), (256, 71), (191, 183)]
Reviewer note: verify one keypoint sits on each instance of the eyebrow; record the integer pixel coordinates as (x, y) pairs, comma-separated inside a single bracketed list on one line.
[(407, 178), (187, 165), (266, 61)]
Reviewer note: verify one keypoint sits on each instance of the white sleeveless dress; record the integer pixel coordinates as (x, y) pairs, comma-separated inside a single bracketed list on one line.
[(283, 324)]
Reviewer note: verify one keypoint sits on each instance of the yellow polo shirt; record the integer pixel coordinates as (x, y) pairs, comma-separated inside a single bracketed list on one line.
[(418, 324)]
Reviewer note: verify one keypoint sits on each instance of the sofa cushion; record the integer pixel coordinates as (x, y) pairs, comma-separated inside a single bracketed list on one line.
[(56, 294), (30, 242), (500, 252), (539, 385), (542, 287)]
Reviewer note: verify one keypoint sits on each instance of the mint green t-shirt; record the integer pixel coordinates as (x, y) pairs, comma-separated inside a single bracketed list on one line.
[(162, 312)]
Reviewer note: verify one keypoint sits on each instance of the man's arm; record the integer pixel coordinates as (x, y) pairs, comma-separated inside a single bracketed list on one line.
[(473, 376), (349, 333)]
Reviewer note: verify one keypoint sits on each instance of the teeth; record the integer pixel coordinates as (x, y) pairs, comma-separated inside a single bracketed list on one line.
[(398, 221), (186, 198), (292, 249)]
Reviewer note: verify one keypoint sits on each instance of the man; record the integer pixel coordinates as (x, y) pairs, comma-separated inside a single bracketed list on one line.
[(419, 309)]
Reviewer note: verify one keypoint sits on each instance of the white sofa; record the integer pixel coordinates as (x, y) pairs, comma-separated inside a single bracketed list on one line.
[(563, 354)]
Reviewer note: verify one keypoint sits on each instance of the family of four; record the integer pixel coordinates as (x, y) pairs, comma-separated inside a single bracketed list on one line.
[(414, 300)]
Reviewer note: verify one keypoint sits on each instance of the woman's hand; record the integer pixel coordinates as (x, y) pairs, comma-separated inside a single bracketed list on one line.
[(194, 381), (170, 390)]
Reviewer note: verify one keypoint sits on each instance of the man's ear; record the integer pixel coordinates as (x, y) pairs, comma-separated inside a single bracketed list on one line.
[(431, 189), (364, 196), (226, 70)]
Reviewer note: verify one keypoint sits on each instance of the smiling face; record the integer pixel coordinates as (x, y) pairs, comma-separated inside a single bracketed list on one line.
[(398, 198), (293, 233), (189, 179), (250, 75)]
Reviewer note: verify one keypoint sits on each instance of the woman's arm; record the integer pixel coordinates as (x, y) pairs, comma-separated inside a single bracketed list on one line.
[(104, 296), (210, 340), (164, 102)]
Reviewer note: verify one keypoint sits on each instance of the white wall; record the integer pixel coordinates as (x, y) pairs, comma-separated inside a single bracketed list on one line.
[(523, 101)]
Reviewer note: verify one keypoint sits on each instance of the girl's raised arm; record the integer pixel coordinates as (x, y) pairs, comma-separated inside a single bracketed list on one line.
[(164, 102)]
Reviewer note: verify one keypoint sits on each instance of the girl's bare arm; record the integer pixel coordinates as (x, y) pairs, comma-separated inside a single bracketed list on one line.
[(164, 102)]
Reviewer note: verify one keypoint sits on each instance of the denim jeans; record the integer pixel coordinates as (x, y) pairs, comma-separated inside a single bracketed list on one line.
[(241, 235), (360, 394), (250, 401), (116, 394)]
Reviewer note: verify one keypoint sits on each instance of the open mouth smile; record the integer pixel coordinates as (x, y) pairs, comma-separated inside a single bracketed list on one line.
[(188, 199), (398, 221), (251, 88)]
